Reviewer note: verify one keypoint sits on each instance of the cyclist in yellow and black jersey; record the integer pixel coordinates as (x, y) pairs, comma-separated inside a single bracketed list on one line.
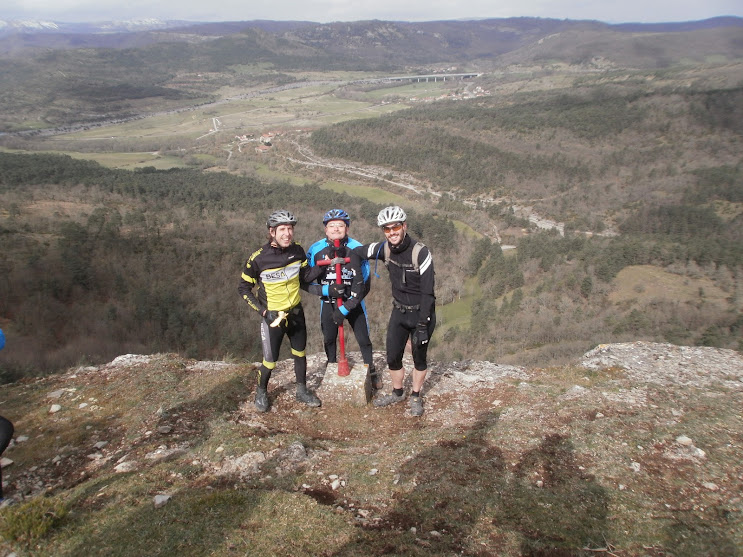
[(270, 283), (275, 275)]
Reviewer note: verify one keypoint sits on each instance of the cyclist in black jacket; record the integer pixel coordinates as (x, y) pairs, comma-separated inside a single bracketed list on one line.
[(413, 315), (270, 284)]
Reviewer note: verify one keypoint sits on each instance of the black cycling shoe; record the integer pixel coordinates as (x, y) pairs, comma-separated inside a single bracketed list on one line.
[(416, 406), (387, 400), (261, 400), (307, 397)]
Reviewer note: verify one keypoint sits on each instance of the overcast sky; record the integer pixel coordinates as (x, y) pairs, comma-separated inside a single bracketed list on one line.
[(610, 11)]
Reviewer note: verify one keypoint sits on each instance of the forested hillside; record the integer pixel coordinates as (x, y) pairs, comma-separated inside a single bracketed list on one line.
[(597, 147), (98, 262), (641, 174)]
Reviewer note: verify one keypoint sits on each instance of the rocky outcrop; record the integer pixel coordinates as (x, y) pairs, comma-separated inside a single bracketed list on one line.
[(668, 364)]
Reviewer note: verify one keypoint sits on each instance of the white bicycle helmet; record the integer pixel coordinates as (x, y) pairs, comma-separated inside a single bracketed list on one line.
[(280, 217), (388, 215)]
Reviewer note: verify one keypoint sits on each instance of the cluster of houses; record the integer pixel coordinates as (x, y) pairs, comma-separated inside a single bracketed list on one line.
[(476, 92), (265, 140)]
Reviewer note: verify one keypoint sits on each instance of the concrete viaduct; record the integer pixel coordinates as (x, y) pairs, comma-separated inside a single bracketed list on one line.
[(432, 77)]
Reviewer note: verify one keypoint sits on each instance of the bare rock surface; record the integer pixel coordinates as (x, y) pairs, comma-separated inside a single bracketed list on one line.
[(668, 364)]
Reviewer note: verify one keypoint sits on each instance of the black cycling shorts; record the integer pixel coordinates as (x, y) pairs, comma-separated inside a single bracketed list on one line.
[(400, 329)]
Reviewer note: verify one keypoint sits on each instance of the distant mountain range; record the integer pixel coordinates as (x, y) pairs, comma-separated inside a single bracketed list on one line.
[(20, 34), (31, 26), (376, 42)]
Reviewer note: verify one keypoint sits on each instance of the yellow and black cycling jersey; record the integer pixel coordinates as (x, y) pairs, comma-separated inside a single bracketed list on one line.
[(273, 276)]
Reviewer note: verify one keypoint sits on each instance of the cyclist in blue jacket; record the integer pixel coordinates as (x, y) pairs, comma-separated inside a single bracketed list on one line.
[(355, 286)]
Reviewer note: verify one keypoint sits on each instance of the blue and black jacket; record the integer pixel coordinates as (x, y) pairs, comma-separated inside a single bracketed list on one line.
[(354, 274)]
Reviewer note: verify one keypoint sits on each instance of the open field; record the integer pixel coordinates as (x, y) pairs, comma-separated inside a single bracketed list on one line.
[(467, 230), (370, 193), (645, 284), (458, 312), (420, 90), (123, 160), (303, 107)]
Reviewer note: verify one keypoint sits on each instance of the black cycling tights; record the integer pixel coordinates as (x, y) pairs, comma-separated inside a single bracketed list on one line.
[(294, 328)]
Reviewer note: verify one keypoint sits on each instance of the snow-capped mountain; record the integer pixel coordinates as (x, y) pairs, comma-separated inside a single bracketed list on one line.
[(10, 26), (23, 25)]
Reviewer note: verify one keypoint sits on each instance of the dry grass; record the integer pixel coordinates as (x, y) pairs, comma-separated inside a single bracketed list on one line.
[(566, 461), (643, 284)]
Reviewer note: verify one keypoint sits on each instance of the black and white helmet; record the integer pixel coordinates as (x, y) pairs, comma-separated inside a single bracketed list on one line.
[(280, 217), (388, 215)]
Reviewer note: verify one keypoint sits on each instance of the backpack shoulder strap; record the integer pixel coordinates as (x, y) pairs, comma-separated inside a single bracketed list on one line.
[(417, 247), (416, 251)]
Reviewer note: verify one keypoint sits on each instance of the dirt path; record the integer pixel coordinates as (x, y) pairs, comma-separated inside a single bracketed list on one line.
[(306, 157)]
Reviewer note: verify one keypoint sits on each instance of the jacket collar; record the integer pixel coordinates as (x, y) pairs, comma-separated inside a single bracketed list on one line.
[(402, 246), (330, 243)]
